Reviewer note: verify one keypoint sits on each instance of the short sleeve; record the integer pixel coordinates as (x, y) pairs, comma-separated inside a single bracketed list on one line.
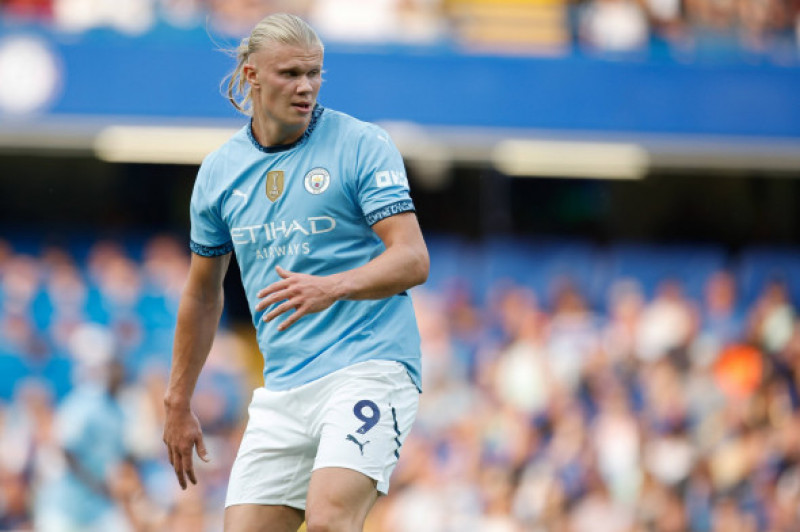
[(383, 189), (210, 236)]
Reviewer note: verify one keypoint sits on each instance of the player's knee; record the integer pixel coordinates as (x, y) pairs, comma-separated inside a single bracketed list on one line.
[(327, 518), (326, 526)]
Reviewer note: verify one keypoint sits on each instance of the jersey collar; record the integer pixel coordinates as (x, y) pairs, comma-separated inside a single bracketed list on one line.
[(315, 114)]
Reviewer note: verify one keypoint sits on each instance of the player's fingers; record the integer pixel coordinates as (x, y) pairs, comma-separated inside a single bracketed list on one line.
[(274, 287), (283, 273), (280, 309), (188, 466), (177, 464), (296, 315), (271, 299), (202, 452)]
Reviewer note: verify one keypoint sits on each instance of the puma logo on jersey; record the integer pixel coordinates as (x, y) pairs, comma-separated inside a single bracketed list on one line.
[(361, 446), (237, 192)]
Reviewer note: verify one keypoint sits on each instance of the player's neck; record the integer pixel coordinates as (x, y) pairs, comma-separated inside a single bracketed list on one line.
[(269, 133)]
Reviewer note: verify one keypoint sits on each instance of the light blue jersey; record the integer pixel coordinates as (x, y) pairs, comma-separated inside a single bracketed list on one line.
[(90, 426), (309, 207)]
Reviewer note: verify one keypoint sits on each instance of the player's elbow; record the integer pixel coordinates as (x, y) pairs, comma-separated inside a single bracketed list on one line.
[(420, 267)]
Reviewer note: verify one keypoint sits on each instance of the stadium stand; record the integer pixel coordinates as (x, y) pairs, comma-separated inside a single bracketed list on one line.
[(541, 408)]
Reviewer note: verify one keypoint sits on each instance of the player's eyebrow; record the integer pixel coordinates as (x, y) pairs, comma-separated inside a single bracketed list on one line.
[(299, 69)]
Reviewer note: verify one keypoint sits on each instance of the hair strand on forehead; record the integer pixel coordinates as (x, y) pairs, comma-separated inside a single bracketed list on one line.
[(280, 28)]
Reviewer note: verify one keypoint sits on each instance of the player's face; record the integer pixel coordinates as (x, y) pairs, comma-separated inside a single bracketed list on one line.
[(284, 82)]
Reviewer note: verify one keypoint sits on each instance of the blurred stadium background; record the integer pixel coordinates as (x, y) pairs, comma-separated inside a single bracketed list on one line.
[(610, 193)]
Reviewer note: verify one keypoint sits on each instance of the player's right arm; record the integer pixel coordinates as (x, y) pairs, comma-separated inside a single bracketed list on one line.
[(199, 313)]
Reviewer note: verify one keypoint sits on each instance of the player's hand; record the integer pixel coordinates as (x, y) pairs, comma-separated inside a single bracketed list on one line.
[(182, 434), (304, 293), (123, 482)]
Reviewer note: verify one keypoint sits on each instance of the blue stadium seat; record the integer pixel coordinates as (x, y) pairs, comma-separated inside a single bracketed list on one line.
[(13, 370), (542, 264), (455, 260), (650, 264), (758, 265)]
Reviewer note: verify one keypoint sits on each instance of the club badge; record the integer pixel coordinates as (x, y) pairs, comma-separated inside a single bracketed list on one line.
[(317, 181)]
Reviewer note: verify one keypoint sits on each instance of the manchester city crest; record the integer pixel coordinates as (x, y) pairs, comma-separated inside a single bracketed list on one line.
[(317, 181)]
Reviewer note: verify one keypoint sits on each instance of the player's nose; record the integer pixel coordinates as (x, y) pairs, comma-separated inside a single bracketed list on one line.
[(304, 85)]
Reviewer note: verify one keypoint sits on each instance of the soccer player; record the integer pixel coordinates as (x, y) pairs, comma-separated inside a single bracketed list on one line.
[(85, 495), (316, 206)]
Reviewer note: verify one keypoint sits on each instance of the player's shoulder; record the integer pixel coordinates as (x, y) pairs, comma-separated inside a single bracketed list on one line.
[(236, 143), (235, 148), (351, 128)]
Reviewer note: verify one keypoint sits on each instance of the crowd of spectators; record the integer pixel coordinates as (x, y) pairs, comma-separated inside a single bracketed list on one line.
[(681, 29), (541, 411)]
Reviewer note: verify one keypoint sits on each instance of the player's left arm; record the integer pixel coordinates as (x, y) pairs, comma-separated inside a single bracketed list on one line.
[(402, 265)]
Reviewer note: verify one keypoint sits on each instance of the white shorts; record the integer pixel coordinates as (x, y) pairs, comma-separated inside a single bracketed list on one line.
[(356, 418)]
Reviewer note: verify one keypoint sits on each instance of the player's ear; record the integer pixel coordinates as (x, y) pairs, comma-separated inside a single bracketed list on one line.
[(250, 74)]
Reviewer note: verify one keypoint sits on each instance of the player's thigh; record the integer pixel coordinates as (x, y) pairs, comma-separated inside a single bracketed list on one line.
[(339, 499), (276, 455), (262, 518), (365, 421)]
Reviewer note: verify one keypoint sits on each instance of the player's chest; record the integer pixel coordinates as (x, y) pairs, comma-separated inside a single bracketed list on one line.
[(287, 189)]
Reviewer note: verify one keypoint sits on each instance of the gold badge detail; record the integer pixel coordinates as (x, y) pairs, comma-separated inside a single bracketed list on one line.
[(274, 184)]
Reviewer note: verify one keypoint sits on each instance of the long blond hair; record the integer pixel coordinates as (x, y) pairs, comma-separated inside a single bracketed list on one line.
[(279, 28)]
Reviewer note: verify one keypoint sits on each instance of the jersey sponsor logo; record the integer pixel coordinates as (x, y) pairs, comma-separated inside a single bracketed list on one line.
[(283, 251), (237, 192), (274, 184), (251, 234), (317, 181), (387, 178)]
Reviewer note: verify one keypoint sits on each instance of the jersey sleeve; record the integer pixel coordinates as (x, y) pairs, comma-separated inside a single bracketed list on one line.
[(382, 185), (210, 236)]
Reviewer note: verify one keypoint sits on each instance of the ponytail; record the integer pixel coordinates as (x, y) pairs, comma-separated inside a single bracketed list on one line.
[(236, 81)]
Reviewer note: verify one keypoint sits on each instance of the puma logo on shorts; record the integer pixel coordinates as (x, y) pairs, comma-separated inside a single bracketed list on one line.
[(353, 439)]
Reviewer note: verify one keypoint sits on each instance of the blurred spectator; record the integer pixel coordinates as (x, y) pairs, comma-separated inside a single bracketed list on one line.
[(356, 20), (80, 495), (377, 21), (572, 336), (721, 318), (26, 433), (766, 28), (236, 17), (617, 440), (667, 324), (739, 370), (421, 21), (597, 511), (667, 21), (25, 9), (615, 26), (181, 13), (773, 317), (126, 16)]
